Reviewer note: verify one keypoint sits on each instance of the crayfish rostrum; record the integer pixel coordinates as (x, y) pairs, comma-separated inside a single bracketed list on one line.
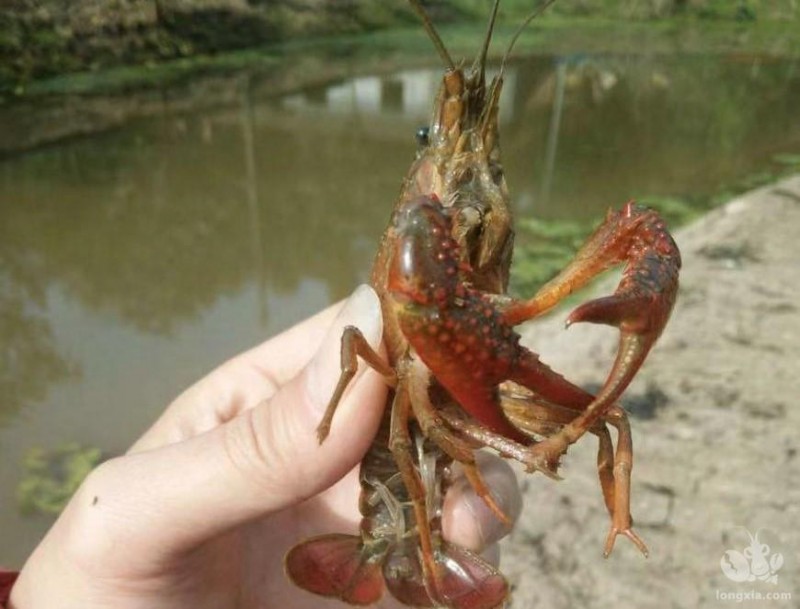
[(460, 378)]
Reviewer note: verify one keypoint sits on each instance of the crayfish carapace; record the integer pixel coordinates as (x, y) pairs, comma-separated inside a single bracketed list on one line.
[(460, 378)]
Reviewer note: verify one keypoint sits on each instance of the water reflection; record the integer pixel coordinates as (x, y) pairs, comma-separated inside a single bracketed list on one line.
[(407, 95), (143, 257), (29, 360), (158, 222), (584, 132), (602, 130)]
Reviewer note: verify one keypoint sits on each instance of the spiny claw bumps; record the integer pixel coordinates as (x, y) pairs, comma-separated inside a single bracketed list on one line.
[(643, 301), (644, 298)]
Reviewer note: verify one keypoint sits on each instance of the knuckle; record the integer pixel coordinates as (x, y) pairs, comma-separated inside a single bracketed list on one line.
[(247, 449), (256, 453)]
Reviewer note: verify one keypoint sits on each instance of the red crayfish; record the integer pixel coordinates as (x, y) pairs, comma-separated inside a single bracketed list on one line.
[(460, 378)]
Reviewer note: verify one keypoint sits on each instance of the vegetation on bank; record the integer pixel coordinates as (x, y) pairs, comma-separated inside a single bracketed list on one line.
[(637, 10), (42, 39), (408, 45), (51, 477)]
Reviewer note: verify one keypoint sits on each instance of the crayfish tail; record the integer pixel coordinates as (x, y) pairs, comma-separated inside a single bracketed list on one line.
[(463, 581), (336, 566)]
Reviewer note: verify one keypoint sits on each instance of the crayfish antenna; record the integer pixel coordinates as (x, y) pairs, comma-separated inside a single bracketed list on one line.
[(433, 34), (480, 60), (542, 7)]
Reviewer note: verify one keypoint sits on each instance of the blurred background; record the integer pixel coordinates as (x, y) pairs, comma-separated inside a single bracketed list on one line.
[(181, 179)]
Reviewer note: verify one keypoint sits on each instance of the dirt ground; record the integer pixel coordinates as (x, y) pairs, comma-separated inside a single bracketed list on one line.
[(715, 432)]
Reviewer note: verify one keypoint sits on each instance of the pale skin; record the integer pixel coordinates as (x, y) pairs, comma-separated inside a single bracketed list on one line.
[(202, 508)]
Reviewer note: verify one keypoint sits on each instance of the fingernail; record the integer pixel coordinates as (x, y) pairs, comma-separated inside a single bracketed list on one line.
[(362, 310)]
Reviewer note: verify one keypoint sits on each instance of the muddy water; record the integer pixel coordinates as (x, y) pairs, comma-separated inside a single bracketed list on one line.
[(134, 261)]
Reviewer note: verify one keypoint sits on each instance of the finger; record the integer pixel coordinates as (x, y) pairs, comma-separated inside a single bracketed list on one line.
[(169, 500), (467, 520), (240, 383)]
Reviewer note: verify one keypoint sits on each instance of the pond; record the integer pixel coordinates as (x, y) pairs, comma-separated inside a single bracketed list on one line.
[(134, 261)]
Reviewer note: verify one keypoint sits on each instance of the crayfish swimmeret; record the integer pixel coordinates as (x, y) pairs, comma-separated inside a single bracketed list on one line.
[(456, 366)]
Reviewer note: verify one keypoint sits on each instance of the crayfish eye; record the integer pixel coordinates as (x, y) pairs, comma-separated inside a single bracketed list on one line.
[(422, 136), (496, 172)]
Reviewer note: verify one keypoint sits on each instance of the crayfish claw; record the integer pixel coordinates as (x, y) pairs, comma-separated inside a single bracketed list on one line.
[(644, 298), (609, 310), (641, 305)]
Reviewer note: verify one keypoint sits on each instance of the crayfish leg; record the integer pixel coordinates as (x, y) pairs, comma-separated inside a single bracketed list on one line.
[(536, 416), (621, 521), (402, 446), (605, 470), (435, 429), (630, 356), (482, 490), (353, 345), (450, 576)]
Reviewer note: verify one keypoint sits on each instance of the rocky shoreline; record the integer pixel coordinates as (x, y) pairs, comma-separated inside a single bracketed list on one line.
[(714, 425)]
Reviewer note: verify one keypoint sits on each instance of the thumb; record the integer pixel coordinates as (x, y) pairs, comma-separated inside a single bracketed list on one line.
[(268, 458)]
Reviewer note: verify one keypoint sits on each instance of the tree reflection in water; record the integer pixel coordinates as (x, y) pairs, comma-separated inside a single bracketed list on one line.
[(29, 360)]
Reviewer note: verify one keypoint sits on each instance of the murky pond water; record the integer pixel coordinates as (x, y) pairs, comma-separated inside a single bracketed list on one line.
[(134, 261)]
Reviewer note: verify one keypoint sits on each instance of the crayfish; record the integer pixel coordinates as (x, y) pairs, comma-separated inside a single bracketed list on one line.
[(460, 378)]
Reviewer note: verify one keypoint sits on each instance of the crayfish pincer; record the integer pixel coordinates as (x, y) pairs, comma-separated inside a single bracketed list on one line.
[(460, 379)]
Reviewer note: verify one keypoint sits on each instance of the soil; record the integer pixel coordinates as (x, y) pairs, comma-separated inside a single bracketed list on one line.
[(715, 433)]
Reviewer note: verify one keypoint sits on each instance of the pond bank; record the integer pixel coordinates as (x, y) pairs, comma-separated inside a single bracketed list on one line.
[(94, 101), (713, 417), (44, 38)]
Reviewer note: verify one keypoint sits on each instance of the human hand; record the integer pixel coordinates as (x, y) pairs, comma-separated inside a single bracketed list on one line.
[(200, 512)]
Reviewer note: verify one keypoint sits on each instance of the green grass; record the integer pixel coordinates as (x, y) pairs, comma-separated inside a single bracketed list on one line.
[(626, 10), (150, 75), (51, 477)]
